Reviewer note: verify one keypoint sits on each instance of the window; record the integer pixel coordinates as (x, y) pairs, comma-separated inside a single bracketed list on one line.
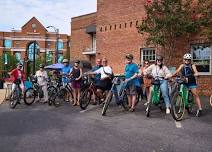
[(115, 26), (31, 51), (60, 46), (110, 27), (125, 25), (8, 44), (120, 26), (148, 54), (202, 56), (105, 28), (18, 56), (94, 42), (100, 29)]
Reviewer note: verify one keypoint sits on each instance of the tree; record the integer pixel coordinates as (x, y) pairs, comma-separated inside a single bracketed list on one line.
[(205, 13), (166, 22)]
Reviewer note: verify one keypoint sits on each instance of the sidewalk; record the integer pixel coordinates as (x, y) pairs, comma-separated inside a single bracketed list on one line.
[(2, 95)]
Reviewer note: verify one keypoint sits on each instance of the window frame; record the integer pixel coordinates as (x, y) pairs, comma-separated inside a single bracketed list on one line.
[(147, 49), (210, 58)]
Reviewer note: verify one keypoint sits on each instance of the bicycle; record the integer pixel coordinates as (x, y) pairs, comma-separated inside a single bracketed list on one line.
[(63, 94), (34, 92), (181, 100), (156, 98), (16, 94), (88, 92), (53, 88), (120, 98)]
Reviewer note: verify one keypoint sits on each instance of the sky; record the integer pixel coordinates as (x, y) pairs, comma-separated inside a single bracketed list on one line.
[(58, 13)]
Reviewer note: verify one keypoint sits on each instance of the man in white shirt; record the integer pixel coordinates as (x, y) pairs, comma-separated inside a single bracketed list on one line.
[(105, 81), (42, 81)]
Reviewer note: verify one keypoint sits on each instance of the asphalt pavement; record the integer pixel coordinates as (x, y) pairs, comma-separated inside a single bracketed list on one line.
[(43, 128)]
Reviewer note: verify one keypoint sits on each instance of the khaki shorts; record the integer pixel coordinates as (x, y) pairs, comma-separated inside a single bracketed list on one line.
[(131, 90)]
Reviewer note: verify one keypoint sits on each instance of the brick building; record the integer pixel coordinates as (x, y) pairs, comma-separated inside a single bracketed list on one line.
[(20, 43), (116, 34)]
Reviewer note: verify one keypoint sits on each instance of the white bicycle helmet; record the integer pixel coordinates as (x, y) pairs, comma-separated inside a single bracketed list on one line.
[(187, 56)]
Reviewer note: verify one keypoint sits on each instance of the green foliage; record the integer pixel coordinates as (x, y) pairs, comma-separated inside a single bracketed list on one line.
[(205, 12), (168, 20)]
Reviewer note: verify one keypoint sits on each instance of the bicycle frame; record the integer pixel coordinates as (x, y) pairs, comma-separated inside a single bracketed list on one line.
[(156, 94), (184, 92)]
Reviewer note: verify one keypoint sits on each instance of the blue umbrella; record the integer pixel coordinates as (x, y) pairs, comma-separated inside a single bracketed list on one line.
[(56, 66)]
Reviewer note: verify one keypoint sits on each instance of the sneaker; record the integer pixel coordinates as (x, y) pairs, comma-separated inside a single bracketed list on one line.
[(199, 113), (167, 111), (131, 110)]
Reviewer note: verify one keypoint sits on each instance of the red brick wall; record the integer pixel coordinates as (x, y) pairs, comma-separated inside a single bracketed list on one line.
[(113, 41), (80, 40)]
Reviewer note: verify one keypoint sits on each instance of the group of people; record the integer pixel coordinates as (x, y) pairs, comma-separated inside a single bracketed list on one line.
[(103, 73), (159, 70)]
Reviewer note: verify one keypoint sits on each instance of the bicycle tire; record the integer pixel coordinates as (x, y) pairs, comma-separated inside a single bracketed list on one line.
[(107, 102), (51, 91), (190, 104), (124, 102), (177, 111), (211, 100), (85, 99), (59, 97), (13, 101), (29, 94)]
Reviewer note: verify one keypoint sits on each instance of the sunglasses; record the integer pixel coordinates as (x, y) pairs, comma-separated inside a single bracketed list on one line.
[(146, 63), (159, 60), (187, 59)]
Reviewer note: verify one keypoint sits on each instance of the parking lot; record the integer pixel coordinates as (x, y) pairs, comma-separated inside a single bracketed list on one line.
[(39, 128)]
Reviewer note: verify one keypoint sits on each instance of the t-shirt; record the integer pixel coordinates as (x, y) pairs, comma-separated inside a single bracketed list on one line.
[(156, 71), (103, 71), (41, 76), (130, 70), (66, 70), (97, 76)]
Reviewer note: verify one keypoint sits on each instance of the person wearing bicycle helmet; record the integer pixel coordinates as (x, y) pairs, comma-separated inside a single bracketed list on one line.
[(132, 82), (162, 72), (189, 71), (18, 74), (42, 77), (65, 71)]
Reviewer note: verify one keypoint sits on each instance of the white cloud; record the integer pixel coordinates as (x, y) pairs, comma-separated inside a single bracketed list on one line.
[(15, 13)]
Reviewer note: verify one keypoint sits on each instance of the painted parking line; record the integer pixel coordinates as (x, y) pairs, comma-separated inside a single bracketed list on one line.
[(178, 124)]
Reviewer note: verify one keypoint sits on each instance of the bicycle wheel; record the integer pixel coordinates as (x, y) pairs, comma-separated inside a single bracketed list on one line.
[(59, 97), (124, 102), (190, 104), (51, 91), (177, 106), (13, 101), (85, 99), (211, 100), (107, 102), (29, 96)]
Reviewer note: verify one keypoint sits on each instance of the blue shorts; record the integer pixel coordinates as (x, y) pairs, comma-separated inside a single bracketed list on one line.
[(191, 86)]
